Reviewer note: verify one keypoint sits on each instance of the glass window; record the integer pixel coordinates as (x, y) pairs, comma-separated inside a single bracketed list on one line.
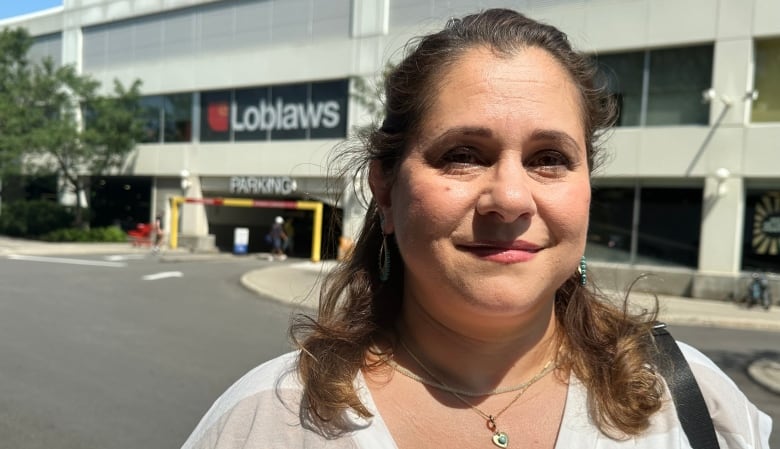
[(609, 233), (284, 112), (255, 114), (678, 76), (766, 108), (624, 73), (669, 226), (674, 80), (46, 46), (761, 242), (291, 103), (151, 118), (215, 116), (659, 239), (328, 118), (30, 187), (177, 110)]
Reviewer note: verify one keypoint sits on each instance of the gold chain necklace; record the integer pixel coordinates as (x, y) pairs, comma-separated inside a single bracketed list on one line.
[(500, 438)]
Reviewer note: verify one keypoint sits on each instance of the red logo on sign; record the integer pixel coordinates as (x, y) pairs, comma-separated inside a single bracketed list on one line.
[(218, 116)]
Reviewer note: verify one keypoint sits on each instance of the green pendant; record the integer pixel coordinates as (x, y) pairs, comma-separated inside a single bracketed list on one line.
[(501, 439)]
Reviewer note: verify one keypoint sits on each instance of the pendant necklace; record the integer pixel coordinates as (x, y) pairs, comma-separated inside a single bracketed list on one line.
[(500, 438)]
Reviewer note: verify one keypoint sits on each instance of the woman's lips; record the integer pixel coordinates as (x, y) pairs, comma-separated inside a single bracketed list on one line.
[(511, 252)]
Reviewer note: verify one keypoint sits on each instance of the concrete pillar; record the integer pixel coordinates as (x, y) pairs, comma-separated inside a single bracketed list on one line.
[(723, 217), (194, 221), (720, 250)]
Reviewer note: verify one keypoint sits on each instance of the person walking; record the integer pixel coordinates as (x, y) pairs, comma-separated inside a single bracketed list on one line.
[(158, 233), (278, 239)]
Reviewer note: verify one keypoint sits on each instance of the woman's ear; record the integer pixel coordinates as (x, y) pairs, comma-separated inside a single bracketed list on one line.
[(380, 188)]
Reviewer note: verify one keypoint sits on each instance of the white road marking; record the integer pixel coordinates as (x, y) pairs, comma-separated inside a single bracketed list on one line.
[(120, 257), (162, 275), (93, 263)]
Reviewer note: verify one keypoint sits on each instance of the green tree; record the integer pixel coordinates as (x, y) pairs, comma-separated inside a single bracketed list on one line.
[(15, 101), (370, 94), (53, 119)]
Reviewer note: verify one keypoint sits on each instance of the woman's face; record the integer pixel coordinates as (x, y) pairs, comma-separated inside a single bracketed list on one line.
[(490, 206)]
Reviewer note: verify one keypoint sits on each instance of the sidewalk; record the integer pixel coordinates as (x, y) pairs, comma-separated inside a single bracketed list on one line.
[(296, 282), (9, 245), (14, 246)]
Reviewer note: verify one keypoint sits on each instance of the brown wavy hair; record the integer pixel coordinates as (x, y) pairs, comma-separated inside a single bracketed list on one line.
[(605, 346)]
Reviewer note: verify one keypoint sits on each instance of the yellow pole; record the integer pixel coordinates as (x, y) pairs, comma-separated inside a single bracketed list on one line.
[(316, 238), (174, 238), (316, 232)]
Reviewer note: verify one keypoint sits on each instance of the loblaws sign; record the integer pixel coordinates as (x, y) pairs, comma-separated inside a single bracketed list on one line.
[(299, 111), (286, 116)]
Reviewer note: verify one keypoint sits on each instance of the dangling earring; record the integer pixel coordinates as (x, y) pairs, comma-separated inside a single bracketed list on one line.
[(583, 271), (384, 254), (384, 260)]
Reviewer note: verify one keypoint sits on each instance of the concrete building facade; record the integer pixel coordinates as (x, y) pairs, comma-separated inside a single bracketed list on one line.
[(248, 98)]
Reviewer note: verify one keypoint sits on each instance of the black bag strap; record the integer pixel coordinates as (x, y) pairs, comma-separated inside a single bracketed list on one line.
[(688, 400)]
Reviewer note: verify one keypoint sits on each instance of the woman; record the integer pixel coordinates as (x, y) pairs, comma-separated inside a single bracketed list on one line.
[(475, 327)]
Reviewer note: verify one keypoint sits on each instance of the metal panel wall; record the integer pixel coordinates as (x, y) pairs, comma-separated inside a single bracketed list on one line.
[(213, 28), (47, 46)]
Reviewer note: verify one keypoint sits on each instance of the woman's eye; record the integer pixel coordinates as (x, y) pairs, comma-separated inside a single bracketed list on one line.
[(550, 158), (550, 161), (461, 156)]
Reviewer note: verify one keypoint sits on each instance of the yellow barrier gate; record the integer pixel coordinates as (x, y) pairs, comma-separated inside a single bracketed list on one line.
[(316, 237)]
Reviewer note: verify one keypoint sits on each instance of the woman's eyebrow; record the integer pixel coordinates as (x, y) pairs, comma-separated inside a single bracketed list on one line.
[(559, 137), (553, 135), (476, 131)]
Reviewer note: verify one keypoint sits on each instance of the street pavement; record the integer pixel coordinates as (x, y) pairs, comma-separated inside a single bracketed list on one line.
[(296, 282), (13, 246)]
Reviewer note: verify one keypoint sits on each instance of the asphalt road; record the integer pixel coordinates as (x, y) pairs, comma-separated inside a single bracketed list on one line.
[(97, 357), (130, 353)]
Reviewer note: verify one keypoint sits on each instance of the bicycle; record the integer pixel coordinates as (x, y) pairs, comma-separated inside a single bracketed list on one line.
[(758, 292)]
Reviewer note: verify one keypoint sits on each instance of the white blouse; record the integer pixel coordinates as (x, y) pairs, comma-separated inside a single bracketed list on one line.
[(261, 410)]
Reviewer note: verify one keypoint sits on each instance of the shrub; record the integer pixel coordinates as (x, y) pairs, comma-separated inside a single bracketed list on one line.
[(33, 218), (66, 235), (107, 234)]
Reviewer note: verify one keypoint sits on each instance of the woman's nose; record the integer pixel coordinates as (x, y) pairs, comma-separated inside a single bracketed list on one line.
[(507, 192)]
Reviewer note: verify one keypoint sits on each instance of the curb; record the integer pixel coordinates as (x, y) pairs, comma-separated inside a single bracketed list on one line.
[(730, 323), (302, 292), (766, 372), (69, 249), (253, 287)]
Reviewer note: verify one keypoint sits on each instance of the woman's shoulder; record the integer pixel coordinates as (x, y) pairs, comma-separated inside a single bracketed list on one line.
[(737, 421), (261, 402), (279, 372), (264, 409), (707, 373)]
